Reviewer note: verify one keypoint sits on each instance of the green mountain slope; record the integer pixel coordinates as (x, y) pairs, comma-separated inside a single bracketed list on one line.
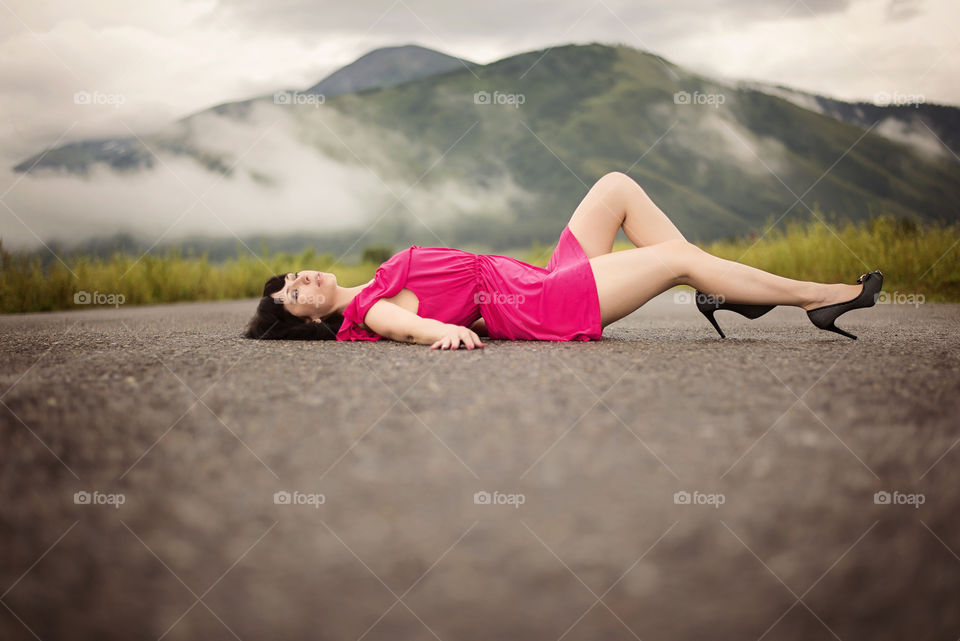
[(522, 154), (717, 170)]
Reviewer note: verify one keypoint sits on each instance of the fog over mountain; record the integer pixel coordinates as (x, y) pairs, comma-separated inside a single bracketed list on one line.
[(490, 156)]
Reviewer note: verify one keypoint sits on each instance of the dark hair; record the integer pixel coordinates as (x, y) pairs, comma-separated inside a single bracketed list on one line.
[(273, 321)]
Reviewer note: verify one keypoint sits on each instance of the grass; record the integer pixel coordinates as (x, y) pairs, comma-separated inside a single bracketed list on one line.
[(915, 259), (26, 286)]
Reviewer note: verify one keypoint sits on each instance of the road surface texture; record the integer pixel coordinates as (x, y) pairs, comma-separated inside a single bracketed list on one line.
[(164, 478)]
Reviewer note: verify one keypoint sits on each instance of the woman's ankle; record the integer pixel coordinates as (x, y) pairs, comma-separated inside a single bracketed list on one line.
[(813, 295), (830, 294)]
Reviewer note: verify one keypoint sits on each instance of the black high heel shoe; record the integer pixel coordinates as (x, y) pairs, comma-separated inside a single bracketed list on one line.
[(824, 317), (707, 305)]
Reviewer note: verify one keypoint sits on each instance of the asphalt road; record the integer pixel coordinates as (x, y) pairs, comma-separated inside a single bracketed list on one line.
[(182, 433)]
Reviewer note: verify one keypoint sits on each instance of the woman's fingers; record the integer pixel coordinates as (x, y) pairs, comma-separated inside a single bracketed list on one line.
[(464, 335)]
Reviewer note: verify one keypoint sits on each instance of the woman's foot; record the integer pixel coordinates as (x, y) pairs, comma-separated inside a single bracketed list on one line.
[(825, 316), (834, 293)]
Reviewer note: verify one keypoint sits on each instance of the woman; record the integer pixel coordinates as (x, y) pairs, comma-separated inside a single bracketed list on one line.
[(443, 297)]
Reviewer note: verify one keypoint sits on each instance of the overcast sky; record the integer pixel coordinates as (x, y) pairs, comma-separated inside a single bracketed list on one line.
[(168, 58)]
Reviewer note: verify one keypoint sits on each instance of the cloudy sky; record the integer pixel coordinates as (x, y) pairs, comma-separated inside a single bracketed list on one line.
[(153, 61), (167, 58)]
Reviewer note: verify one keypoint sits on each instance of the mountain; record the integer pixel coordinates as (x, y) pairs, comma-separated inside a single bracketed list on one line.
[(387, 67), (381, 68), (498, 155), (930, 128)]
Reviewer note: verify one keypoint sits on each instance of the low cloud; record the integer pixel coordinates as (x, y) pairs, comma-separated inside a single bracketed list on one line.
[(282, 181), (172, 58)]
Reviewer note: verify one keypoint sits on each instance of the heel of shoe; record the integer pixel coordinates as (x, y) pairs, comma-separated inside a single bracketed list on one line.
[(708, 305), (713, 321), (833, 328)]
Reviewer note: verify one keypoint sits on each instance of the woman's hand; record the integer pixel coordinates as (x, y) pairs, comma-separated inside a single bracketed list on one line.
[(453, 335)]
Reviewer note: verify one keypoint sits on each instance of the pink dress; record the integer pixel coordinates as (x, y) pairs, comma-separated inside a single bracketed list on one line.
[(517, 301)]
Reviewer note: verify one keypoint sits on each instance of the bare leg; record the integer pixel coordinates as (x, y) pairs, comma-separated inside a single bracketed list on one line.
[(628, 279), (663, 258), (616, 201)]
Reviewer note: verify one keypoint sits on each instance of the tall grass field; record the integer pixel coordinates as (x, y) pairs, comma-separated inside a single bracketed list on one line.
[(915, 260)]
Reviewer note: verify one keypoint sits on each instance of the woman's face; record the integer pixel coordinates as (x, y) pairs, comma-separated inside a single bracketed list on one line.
[(308, 294)]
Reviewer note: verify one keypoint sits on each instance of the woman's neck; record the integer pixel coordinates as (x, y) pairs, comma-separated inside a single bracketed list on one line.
[(345, 295)]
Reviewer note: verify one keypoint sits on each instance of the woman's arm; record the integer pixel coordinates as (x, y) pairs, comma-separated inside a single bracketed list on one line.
[(398, 324)]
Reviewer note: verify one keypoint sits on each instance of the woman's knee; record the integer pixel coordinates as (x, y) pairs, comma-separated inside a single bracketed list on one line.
[(617, 180), (680, 255), (616, 188)]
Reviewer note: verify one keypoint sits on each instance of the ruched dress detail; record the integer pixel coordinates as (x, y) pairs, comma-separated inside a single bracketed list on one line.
[(517, 301)]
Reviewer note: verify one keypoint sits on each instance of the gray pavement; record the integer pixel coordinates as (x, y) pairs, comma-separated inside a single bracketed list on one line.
[(780, 435)]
